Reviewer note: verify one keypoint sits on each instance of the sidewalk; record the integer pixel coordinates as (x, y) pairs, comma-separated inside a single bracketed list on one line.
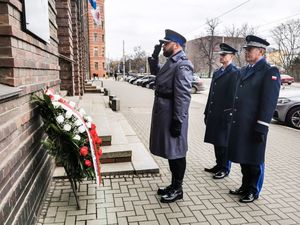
[(131, 199)]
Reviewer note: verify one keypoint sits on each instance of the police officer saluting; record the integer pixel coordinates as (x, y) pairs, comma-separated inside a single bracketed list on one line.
[(218, 110), (255, 102), (169, 125)]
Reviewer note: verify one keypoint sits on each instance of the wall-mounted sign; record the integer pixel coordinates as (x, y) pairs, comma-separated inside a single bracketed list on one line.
[(37, 18)]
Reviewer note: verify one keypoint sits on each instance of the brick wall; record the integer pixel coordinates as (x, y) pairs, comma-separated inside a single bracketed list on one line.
[(84, 60), (27, 65), (65, 48), (75, 46), (72, 35)]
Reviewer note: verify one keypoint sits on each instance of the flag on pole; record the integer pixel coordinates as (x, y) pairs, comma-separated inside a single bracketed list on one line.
[(93, 3), (96, 16)]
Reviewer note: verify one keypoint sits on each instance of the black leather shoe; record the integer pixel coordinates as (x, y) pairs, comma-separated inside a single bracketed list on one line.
[(249, 197), (164, 191), (238, 191), (215, 169), (221, 174), (172, 196)]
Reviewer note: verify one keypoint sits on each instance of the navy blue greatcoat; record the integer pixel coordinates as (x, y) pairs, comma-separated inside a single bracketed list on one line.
[(255, 102), (219, 105), (175, 80)]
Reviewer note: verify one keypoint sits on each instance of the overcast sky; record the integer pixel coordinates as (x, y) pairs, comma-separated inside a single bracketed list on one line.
[(142, 22)]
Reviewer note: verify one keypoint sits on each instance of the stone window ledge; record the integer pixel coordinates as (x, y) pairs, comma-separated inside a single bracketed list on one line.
[(7, 92)]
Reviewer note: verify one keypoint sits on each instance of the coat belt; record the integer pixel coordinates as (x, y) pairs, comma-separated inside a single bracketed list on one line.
[(164, 95)]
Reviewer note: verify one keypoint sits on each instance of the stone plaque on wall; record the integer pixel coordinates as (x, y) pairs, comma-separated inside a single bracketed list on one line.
[(36, 18)]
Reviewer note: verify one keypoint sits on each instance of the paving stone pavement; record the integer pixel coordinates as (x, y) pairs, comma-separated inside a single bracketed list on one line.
[(132, 199)]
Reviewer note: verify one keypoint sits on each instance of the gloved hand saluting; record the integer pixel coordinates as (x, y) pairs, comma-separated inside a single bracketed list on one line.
[(156, 51)]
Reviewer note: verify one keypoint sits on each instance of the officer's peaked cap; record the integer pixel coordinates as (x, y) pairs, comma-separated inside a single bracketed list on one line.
[(254, 41), (227, 49), (174, 36)]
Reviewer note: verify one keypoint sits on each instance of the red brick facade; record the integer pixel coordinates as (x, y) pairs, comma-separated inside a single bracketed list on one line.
[(97, 43), (73, 45), (27, 66)]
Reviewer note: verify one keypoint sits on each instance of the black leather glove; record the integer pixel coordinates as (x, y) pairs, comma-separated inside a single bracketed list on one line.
[(205, 120), (175, 128), (157, 49), (259, 137)]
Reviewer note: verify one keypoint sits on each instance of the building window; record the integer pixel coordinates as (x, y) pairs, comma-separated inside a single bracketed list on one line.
[(96, 66), (95, 37), (103, 37), (103, 64), (103, 52), (95, 51)]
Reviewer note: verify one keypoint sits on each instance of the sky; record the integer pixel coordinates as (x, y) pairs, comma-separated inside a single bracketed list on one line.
[(143, 22)]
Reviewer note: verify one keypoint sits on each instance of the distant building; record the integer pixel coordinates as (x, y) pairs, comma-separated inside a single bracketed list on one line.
[(197, 51), (273, 56), (97, 43)]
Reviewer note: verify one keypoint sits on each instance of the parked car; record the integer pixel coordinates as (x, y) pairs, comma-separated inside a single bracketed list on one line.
[(288, 108), (140, 81), (146, 81), (286, 79), (151, 85), (129, 76), (131, 80), (197, 85)]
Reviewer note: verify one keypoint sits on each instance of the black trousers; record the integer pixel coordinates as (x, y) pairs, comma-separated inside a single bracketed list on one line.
[(177, 168), (221, 158), (253, 177)]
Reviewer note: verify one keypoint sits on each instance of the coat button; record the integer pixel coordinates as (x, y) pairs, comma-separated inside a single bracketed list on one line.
[(233, 121), (234, 110), (236, 97), (209, 111), (241, 85), (230, 114), (211, 102), (215, 83)]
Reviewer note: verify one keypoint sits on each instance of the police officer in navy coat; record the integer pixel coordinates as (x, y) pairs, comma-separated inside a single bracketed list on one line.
[(255, 102), (218, 110), (169, 125)]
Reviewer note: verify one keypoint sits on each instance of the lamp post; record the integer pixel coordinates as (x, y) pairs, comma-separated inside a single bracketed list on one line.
[(123, 59)]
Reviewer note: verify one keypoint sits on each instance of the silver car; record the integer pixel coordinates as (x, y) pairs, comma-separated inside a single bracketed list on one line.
[(288, 108)]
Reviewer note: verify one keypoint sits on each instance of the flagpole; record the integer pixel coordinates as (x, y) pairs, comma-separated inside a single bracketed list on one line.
[(123, 59)]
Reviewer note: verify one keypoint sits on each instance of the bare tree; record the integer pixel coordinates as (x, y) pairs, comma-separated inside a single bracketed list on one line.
[(246, 30), (235, 33), (287, 39), (138, 60), (296, 68), (242, 31), (207, 44), (114, 66)]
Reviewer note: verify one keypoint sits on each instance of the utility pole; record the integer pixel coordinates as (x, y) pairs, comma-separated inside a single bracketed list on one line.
[(147, 66), (129, 65), (123, 59)]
